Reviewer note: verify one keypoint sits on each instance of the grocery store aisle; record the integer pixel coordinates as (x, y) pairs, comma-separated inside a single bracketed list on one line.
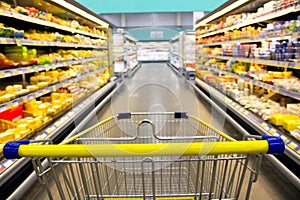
[(155, 87)]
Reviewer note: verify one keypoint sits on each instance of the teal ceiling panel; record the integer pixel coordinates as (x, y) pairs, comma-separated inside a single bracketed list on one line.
[(141, 6)]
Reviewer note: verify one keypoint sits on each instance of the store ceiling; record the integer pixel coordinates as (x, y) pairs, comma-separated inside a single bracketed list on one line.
[(142, 6)]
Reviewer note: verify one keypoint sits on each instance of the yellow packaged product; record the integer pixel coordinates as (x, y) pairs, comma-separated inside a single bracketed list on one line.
[(29, 106), (291, 124), (8, 135), (22, 127), (54, 96), (278, 119), (57, 103), (21, 134)]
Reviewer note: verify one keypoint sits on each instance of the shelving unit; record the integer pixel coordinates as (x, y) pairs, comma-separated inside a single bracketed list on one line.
[(86, 47), (130, 52), (240, 42), (124, 52), (176, 52), (27, 42), (153, 51), (182, 53)]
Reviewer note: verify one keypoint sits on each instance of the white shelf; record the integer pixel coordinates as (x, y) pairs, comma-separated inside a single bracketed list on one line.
[(276, 89), (5, 73), (262, 18), (275, 63), (27, 42), (18, 16), (41, 92), (258, 39), (252, 118)]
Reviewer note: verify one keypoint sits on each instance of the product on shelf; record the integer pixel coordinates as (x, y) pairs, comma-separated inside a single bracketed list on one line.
[(38, 14), (236, 19)]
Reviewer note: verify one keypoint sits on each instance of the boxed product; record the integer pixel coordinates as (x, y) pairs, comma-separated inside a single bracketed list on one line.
[(278, 119), (291, 124)]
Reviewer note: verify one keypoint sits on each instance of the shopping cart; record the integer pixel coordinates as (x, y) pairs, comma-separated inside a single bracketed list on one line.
[(158, 156)]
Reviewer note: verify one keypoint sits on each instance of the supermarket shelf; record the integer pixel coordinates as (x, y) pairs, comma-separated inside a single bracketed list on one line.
[(27, 42), (175, 39), (291, 65), (276, 89), (286, 172), (175, 53), (263, 18), (258, 39), (14, 168), (262, 127), (130, 38), (39, 93), (5, 73), (25, 18)]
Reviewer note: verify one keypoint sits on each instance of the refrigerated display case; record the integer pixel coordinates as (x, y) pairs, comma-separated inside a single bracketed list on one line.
[(124, 52), (153, 51), (182, 53), (54, 66), (247, 57)]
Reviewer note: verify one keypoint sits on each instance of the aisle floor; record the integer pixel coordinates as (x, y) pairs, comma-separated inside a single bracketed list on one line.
[(156, 88)]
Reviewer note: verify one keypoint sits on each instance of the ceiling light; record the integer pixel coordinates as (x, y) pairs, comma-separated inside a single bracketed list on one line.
[(81, 12)]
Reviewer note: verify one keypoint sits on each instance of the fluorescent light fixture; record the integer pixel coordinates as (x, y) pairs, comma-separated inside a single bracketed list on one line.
[(81, 12), (221, 12)]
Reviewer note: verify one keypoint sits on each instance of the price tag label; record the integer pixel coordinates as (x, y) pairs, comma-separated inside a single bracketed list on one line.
[(20, 71), (25, 99), (58, 123), (31, 97), (37, 94), (46, 67), (36, 69), (18, 42), (241, 109), (50, 130), (246, 112), (64, 119), (285, 139), (3, 107), (265, 126), (297, 67), (15, 103), (2, 75), (29, 70), (292, 145), (282, 37), (15, 72), (274, 132), (295, 36), (54, 88), (8, 73), (4, 41)]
